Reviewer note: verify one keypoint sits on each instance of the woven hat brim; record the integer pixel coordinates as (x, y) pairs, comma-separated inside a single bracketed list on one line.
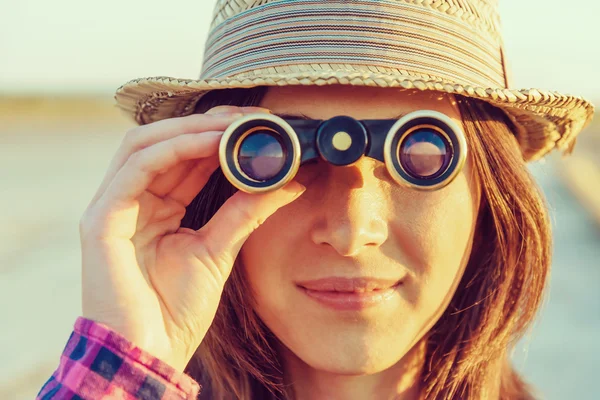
[(545, 120)]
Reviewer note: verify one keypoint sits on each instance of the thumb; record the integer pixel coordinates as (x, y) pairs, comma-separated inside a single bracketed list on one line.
[(241, 215)]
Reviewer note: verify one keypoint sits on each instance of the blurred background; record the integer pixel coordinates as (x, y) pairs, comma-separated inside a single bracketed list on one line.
[(60, 63)]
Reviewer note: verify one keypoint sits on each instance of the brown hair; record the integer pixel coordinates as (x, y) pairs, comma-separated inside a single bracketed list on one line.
[(469, 348)]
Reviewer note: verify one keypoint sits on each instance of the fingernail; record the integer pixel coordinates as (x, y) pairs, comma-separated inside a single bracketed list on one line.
[(251, 109), (229, 114), (210, 134), (294, 188), (221, 110)]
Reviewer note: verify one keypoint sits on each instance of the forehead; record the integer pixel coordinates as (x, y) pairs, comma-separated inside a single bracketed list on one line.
[(361, 102)]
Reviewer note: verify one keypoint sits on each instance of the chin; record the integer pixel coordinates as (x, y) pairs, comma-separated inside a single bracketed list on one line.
[(351, 363), (347, 358)]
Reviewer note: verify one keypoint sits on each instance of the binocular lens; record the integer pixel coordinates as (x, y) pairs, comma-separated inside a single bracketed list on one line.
[(425, 150), (261, 155), (425, 153), (259, 152)]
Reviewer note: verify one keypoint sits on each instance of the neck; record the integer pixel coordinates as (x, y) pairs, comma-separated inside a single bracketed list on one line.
[(401, 381)]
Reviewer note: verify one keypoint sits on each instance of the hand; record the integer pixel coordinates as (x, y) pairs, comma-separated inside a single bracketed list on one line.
[(143, 275)]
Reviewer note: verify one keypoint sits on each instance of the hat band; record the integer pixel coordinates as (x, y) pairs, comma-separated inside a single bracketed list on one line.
[(389, 34)]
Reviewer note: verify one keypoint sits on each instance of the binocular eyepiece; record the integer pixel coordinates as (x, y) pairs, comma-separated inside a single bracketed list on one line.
[(424, 150)]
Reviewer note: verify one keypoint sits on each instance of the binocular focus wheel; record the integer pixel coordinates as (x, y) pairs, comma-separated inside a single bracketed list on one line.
[(342, 140)]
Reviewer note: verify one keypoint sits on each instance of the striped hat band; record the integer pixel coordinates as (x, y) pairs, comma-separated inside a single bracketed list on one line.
[(447, 44)]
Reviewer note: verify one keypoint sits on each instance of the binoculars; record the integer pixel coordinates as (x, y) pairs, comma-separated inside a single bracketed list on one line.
[(423, 150)]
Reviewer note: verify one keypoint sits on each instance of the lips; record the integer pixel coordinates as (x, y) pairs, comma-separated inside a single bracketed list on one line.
[(350, 285), (351, 294)]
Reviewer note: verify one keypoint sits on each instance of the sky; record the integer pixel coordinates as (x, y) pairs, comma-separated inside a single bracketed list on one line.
[(74, 46)]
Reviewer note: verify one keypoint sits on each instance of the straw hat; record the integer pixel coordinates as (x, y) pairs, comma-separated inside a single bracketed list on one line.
[(452, 46)]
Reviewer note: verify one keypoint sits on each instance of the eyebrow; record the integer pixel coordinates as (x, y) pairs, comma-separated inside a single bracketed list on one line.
[(306, 117)]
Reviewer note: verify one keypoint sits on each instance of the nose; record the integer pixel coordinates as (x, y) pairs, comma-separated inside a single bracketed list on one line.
[(351, 212)]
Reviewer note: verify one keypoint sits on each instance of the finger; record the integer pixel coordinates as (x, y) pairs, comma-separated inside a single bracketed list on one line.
[(194, 181), (241, 215), (143, 166), (147, 135), (164, 183), (230, 109)]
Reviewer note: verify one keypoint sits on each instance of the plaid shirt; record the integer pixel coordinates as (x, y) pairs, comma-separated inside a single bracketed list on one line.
[(99, 363)]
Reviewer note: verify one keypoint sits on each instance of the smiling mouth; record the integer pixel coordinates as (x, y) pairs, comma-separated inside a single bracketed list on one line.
[(355, 300), (349, 285), (351, 294)]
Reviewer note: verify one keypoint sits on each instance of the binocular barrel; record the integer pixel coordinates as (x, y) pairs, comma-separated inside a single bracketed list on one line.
[(423, 150)]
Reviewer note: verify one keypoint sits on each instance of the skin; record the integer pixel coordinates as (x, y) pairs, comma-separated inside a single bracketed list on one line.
[(355, 220)]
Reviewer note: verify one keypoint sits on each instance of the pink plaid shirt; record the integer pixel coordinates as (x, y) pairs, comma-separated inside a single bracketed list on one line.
[(99, 363)]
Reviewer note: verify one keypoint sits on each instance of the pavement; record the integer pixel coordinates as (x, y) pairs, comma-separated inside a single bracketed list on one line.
[(54, 157)]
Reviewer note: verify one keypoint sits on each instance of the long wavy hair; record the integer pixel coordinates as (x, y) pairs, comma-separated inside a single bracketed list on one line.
[(468, 350)]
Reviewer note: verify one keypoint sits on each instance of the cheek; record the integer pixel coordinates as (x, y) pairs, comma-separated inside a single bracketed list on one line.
[(436, 238), (267, 256)]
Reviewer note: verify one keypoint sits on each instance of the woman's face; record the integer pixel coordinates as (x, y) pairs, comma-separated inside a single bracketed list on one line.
[(355, 221)]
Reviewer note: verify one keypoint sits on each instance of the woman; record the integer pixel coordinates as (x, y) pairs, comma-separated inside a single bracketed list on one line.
[(347, 282)]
